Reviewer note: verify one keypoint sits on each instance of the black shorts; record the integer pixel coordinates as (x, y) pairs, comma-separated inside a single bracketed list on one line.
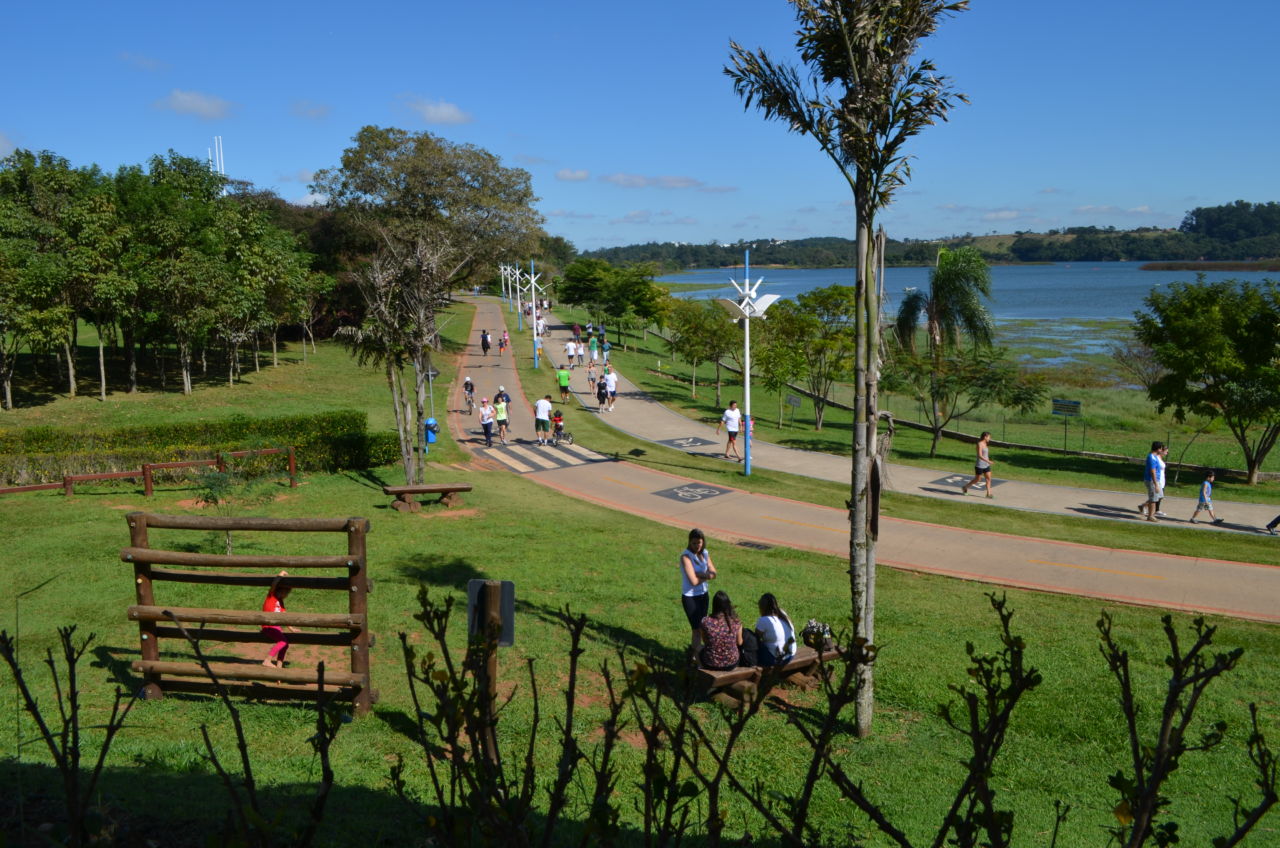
[(733, 435), (978, 470), (695, 608)]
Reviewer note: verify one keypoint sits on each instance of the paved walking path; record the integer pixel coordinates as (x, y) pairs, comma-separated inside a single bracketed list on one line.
[(1175, 582)]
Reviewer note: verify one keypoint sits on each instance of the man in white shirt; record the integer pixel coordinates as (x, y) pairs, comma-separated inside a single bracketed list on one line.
[(611, 385), (570, 350), (542, 419), (732, 422)]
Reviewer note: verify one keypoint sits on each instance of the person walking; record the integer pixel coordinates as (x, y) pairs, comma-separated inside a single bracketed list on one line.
[(1153, 477), (611, 383), (485, 342), (982, 465), (696, 570), (581, 348), (602, 395), (542, 419), (732, 422), (562, 379), (605, 347), (274, 602), (570, 349), (500, 415), (487, 416), (593, 344), (1205, 503)]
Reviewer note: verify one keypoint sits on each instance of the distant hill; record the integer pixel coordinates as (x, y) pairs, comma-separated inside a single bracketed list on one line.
[(1237, 232)]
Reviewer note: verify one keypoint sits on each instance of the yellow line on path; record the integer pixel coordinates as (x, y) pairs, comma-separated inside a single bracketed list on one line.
[(625, 483), (806, 524), (1103, 570)]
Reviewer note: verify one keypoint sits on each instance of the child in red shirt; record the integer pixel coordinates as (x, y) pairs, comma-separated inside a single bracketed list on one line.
[(275, 603)]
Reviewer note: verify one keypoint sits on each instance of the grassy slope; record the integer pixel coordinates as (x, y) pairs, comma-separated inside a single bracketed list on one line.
[(620, 570)]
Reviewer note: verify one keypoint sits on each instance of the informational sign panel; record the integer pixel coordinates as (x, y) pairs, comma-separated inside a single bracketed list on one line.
[(1066, 407), (793, 400)]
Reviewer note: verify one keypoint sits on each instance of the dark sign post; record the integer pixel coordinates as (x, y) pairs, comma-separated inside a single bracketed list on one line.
[(491, 621), (793, 401), (1068, 409)]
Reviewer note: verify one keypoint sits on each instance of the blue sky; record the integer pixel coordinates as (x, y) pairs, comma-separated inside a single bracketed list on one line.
[(1098, 112)]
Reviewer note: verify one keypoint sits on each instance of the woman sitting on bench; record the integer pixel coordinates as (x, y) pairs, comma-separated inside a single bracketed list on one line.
[(776, 632), (721, 635)]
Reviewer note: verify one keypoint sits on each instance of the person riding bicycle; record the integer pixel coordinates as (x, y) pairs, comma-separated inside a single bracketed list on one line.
[(469, 393), (557, 426)]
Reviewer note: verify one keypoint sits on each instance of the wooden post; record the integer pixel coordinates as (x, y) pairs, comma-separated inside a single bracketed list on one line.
[(358, 575), (491, 616), (68, 488), (146, 480), (150, 648), (293, 469)]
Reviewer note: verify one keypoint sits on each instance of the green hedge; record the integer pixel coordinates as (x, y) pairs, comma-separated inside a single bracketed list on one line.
[(326, 441)]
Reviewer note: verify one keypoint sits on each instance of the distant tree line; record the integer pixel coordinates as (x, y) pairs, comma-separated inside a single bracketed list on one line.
[(1238, 231)]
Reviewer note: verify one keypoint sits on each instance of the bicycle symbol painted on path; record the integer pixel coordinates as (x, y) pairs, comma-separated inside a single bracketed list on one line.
[(691, 492)]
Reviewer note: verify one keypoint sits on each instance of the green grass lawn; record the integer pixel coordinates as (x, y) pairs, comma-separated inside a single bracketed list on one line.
[(621, 571)]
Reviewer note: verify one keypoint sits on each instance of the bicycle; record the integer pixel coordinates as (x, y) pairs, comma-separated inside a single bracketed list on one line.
[(561, 435)]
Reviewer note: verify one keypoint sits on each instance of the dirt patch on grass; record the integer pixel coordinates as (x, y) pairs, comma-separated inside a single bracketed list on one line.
[(446, 512)]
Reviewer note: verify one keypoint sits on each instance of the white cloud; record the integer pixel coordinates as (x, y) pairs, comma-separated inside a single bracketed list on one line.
[(637, 216), (205, 106), (566, 213), (1002, 215), (143, 63), (1050, 190), (1143, 211), (310, 109), (6, 145), (310, 199), (669, 182), (302, 175), (526, 159), (438, 111), (571, 175)]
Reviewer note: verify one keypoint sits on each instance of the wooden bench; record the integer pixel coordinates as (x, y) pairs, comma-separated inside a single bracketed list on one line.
[(404, 495), (738, 683)]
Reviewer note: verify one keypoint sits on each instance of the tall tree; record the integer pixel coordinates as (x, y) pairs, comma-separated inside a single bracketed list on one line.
[(863, 98), (951, 311), (1220, 346), (438, 213)]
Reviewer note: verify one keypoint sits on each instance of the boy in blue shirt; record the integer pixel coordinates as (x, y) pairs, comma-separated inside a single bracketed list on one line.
[(1206, 500)]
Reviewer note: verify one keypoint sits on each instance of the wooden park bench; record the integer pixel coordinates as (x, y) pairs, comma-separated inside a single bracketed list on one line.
[(405, 501), (734, 685)]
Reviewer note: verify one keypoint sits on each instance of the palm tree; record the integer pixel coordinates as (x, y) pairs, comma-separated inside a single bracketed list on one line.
[(863, 97), (952, 310)]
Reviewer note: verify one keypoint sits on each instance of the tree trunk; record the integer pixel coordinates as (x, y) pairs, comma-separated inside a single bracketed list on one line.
[(275, 348), (719, 402), (68, 350), (131, 353), (257, 355), (184, 363), (406, 443), (102, 369)]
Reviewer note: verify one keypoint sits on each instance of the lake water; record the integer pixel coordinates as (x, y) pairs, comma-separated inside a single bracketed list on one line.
[(1083, 290)]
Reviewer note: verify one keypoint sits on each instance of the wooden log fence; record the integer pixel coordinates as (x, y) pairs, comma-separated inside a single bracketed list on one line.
[(348, 630), (147, 472)]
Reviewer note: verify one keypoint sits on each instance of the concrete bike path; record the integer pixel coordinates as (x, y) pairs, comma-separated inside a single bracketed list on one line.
[(1185, 583)]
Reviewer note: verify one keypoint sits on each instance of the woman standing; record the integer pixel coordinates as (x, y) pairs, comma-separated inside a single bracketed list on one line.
[(696, 569), (982, 467)]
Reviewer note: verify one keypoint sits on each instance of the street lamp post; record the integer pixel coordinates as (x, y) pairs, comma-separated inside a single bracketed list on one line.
[(747, 306)]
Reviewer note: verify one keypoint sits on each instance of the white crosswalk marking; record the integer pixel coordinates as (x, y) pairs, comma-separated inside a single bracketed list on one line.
[(527, 458), (531, 455)]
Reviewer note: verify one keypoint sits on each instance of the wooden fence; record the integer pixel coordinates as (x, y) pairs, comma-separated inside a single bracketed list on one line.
[(350, 629)]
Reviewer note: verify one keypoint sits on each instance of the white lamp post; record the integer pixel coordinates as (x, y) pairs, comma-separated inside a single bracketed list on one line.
[(746, 307)]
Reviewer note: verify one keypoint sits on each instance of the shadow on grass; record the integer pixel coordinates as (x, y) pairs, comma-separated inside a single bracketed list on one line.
[(370, 478), (437, 570), (636, 644)]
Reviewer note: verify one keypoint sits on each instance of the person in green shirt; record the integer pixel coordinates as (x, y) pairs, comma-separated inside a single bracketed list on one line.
[(562, 377)]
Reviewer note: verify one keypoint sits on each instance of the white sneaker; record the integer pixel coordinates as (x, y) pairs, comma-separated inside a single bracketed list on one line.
[(1160, 514)]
